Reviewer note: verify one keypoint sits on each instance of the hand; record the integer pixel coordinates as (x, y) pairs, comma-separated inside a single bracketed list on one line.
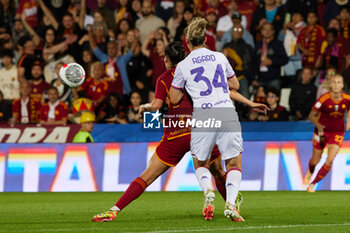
[(112, 119), (23, 16), (111, 33), (262, 22), (263, 118), (142, 109), (257, 107), (266, 62), (151, 35), (140, 85), (71, 39), (298, 114), (320, 130)]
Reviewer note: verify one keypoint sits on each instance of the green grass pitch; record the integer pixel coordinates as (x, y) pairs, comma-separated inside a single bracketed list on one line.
[(169, 212)]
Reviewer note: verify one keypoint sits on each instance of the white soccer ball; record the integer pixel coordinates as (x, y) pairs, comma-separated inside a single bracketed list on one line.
[(72, 75)]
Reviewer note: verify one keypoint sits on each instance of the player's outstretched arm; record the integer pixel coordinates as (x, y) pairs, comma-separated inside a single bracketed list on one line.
[(154, 106), (235, 95), (313, 117)]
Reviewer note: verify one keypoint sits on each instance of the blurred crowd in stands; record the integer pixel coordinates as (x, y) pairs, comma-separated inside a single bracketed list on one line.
[(284, 53)]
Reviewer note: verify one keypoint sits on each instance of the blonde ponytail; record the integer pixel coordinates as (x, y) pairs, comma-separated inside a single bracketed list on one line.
[(196, 31)]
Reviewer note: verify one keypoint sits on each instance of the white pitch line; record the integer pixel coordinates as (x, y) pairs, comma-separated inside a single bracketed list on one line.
[(186, 230), (246, 228)]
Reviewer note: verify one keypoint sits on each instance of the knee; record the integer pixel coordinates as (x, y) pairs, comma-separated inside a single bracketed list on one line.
[(217, 172)]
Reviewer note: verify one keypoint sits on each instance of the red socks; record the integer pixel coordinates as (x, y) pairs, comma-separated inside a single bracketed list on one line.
[(321, 173), (135, 189), (220, 185), (311, 167)]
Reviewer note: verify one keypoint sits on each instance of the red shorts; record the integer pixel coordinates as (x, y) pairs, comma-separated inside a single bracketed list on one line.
[(329, 138), (170, 152)]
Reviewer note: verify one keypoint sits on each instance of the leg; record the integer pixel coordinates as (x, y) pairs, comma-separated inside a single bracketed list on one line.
[(233, 178), (233, 181), (315, 159), (136, 188), (219, 174), (333, 150)]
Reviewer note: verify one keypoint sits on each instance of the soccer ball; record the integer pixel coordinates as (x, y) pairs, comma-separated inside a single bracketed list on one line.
[(72, 75)]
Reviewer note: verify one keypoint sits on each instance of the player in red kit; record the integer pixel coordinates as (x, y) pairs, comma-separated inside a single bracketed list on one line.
[(327, 115), (174, 144)]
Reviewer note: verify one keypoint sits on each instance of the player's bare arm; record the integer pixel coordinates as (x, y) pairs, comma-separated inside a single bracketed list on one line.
[(154, 106), (235, 95), (233, 83), (313, 117), (176, 95), (348, 121)]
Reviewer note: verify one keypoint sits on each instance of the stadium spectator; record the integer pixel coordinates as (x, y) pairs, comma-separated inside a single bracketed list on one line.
[(269, 57), (8, 76), (113, 111), (99, 34), (302, 96), (302, 6), (27, 59), (87, 61), (310, 40), (333, 8), (289, 36), (324, 87), (344, 18), (18, 30), (186, 20), (225, 22), (149, 22), (135, 100), (5, 109), (25, 109), (268, 12), (114, 65), (37, 82), (175, 20), (259, 97), (123, 26), (7, 14), (332, 52), (54, 112), (240, 56), (247, 8), (64, 92), (106, 12), (140, 73), (247, 37), (156, 55), (164, 8), (95, 87), (216, 4), (87, 120), (277, 112), (212, 19), (122, 11), (31, 9), (135, 11)]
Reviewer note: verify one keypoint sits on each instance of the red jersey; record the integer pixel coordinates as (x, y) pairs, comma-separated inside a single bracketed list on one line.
[(176, 113), (38, 89), (311, 39), (61, 112), (95, 90), (158, 66), (332, 112), (33, 110), (30, 7), (113, 78)]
